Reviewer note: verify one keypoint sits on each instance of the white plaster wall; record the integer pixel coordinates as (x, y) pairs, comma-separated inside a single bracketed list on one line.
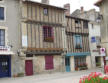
[(93, 32)]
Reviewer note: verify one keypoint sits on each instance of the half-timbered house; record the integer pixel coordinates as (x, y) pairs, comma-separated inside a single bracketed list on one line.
[(78, 51), (43, 40)]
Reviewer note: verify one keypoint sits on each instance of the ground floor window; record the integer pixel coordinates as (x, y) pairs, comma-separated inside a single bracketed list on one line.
[(49, 62), (98, 61), (80, 62)]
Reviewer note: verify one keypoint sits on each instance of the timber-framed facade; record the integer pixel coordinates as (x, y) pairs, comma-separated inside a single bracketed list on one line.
[(78, 51), (42, 30)]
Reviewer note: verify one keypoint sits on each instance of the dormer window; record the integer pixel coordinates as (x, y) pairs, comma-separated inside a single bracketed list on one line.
[(45, 11)]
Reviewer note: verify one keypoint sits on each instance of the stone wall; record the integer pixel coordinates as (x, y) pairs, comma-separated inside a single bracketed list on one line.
[(39, 64)]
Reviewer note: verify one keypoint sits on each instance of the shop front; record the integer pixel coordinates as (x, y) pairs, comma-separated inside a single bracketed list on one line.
[(5, 62), (78, 61)]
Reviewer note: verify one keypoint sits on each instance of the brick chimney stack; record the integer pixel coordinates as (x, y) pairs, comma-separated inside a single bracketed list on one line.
[(67, 6), (82, 9), (45, 1)]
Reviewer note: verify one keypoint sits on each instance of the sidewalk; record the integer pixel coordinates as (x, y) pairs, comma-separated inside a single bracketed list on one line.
[(63, 77)]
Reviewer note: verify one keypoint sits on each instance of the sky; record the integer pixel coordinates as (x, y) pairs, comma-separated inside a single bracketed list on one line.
[(75, 4)]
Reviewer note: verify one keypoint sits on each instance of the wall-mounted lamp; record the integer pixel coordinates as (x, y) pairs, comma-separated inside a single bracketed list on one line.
[(99, 18)]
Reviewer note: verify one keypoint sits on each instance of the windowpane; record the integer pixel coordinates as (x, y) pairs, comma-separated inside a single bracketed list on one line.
[(48, 33), (1, 13), (45, 11), (2, 37), (78, 41)]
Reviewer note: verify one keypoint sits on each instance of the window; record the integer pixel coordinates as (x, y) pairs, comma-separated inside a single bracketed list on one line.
[(77, 23), (92, 26), (80, 61), (29, 55), (85, 24), (49, 62), (45, 11), (78, 41), (2, 37), (48, 34), (1, 13)]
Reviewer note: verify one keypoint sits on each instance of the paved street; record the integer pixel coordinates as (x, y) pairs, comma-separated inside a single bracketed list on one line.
[(72, 77)]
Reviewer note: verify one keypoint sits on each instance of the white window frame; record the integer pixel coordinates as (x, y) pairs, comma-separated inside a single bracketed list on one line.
[(5, 28), (4, 13)]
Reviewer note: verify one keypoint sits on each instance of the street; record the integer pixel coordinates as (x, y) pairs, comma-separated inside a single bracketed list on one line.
[(70, 77)]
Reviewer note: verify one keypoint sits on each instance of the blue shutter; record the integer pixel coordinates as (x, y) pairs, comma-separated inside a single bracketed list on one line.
[(1, 13), (78, 40), (74, 40)]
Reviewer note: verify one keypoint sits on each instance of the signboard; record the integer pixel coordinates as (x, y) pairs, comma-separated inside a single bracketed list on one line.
[(93, 39), (102, 51), (4, 48), (24, 41)]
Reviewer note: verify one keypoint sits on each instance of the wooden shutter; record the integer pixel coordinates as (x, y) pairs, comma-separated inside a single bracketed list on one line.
[(49, 62)]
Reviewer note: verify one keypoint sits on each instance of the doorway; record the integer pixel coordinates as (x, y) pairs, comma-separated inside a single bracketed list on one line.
[(29, 67), (67, 64)]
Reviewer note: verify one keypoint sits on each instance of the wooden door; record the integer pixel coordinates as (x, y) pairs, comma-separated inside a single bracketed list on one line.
[(67, 64), (29, 67)]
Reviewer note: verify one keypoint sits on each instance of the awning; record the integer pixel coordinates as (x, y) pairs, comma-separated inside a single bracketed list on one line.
[(79, 54), (6, 53)]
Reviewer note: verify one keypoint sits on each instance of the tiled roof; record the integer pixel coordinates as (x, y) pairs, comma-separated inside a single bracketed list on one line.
[(30, 1)]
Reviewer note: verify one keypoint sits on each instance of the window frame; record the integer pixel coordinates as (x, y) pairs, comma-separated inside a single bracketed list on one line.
[(4, 13), (44, 12), (77, 24), (85, 24), (4, 37), (48, 36), (75, 41)]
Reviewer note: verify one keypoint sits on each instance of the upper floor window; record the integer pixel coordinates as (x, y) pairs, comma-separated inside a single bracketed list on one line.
[(78, 41), (45, 11), (1, 13), (2, 37), (48, 34), (77, 23), (85, 24)]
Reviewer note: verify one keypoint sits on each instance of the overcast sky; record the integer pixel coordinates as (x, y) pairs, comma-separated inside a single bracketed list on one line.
[(75, 4)]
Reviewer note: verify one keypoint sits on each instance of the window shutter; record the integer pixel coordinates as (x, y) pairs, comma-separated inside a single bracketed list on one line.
[(49, 62)]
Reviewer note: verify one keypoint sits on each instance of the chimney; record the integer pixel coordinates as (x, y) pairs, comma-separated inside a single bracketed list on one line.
[(45, 1), (67, 6), (82, 9)]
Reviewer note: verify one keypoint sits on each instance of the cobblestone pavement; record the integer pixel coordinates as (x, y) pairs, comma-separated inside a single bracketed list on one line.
[(70, 77)]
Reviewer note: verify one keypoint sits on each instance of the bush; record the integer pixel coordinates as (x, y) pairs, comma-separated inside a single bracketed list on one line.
[(94, 77)]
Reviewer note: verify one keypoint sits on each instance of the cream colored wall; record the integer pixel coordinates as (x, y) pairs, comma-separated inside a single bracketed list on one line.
[(88, 61), (39, 64), (72, 64)]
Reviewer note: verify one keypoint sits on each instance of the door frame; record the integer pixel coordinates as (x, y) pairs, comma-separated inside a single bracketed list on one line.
[(67, 64), (26, 65), (9, 65)]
